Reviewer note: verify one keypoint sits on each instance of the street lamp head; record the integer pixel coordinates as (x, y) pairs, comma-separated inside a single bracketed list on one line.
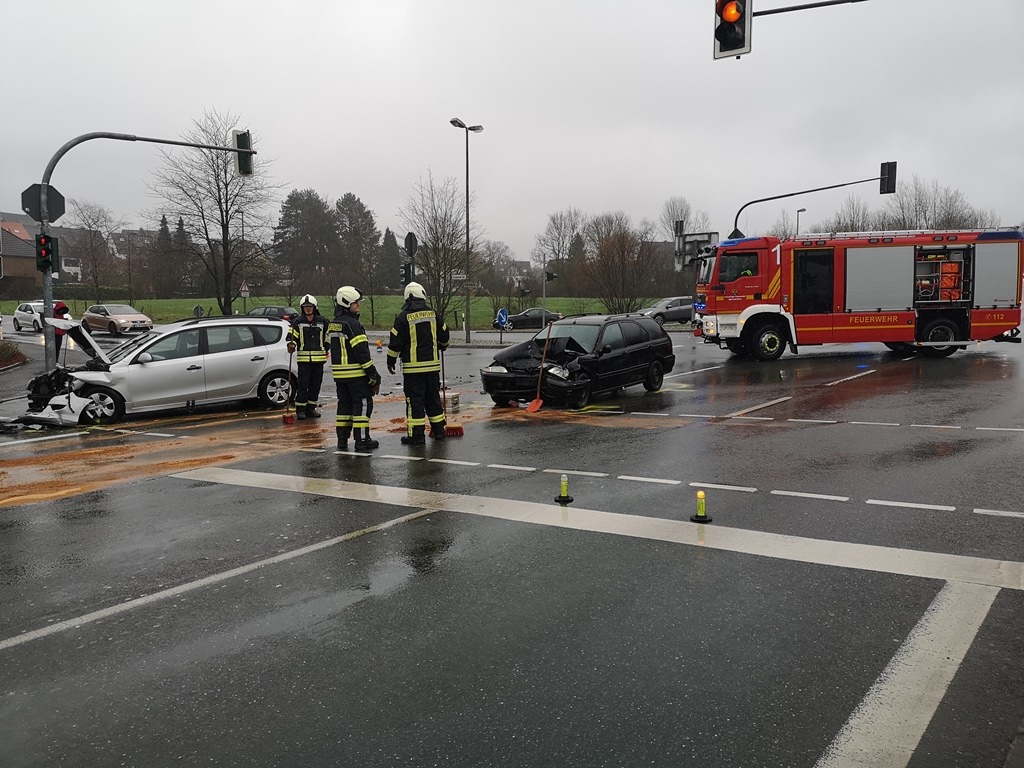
[(476, 128), (801, 210), (457, 123)]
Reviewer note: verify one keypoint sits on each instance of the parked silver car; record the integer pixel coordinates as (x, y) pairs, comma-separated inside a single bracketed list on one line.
[(677, 309), (202, 360), (29, 315)]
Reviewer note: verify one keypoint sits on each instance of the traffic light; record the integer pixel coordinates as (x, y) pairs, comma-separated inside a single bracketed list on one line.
[(887, 179), (549, 276), (46, 252), (243, 160), (732, 27), (405, 274)]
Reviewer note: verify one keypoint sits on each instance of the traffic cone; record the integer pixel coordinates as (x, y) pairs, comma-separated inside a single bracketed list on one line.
[(701, 516)]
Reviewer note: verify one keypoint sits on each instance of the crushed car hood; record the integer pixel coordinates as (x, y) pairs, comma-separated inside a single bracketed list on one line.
[(528, 354), (74, 330)]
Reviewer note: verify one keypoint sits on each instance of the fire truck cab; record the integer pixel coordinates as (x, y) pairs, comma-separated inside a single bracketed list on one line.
[(929, 291)]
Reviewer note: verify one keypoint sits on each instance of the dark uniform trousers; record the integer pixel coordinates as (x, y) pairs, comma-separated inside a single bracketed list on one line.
[(423, 402)]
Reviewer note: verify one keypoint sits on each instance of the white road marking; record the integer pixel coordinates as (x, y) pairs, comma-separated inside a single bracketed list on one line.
[(390, 456), (649, 413), (998, 513), (743, 488), (204, 582), (802, 495), (697, 416), (513, 468), (453, 461), (813, 421), (851, 378), (576, 472), (16, 443), (749, 418), (690, 373), (769, 404), (877, 423), (650, 480), (887, 726), (934, 426), (910, 505), (158, 434), (1000, 429)]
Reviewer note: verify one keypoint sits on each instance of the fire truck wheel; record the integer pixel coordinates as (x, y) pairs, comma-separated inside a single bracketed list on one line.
[(941, 329), (767, 342), (737, 347)]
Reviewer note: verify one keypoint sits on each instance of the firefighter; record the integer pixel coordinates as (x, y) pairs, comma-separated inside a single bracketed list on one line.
[(354, 374), (308, 337), (418, 338)]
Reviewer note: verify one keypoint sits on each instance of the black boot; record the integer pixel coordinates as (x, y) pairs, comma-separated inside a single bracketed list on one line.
[(312, 412), (365, 443), (300, 413), (416, 438), (343, 438)]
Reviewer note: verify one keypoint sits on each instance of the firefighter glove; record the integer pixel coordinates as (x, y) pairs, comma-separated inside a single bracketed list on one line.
[(391, 365)]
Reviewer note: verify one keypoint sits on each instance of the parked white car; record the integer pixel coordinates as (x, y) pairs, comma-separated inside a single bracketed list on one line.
[(202, 360), (29, 315)]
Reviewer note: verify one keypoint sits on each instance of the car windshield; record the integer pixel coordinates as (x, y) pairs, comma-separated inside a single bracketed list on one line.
[(131, 346), (659, 304), (582, 336), (121, 309)]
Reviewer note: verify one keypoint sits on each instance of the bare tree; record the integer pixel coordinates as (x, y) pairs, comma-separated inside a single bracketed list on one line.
[(853, 216), (679, 209), (921, 205), (621, 264), (201, 187), (436, 214), (93, 226)]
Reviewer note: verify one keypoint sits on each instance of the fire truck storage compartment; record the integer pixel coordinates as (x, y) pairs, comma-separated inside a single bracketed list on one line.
[(879, 278), (997, 274), (942, 276)]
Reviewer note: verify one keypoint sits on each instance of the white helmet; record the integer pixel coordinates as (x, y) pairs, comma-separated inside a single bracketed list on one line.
[(415, 290), (347, 296), (308, 299)]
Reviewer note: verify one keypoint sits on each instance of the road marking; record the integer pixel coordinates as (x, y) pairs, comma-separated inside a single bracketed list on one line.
[(813, 421), (1000, 429), (749, 418), (910, 505), (513, 468), (877, 423), (204, 582), (649, 413), (453, 461), (998, 513), (743, 488), (16, 443), (690, 373), (867, 557), (769, 404), (802, 495), (576, 472), (650, 480), (851, 378), (888, 724), (387, 456), (934, 426), (158, 434), (697, 416)]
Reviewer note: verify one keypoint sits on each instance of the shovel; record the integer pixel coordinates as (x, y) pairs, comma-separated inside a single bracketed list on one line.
[(289, 412), (536, 403)]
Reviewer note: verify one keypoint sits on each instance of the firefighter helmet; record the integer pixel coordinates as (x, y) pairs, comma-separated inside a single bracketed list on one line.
[(347, 296), (415, 290), (308, 299)]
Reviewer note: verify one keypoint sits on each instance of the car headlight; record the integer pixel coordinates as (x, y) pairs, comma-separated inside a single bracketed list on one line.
[(558, 372), (494, 368)]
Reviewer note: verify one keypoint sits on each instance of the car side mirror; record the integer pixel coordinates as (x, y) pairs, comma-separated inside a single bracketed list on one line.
[(606, 349), (145, 357)]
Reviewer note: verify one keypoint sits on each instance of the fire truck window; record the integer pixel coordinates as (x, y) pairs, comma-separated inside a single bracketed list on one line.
[(813, 286), (737, 265)]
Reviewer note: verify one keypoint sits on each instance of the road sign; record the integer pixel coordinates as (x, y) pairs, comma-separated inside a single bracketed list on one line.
[(458, 278), (243, 290), (502, 317), (410, 245), (54, 202)]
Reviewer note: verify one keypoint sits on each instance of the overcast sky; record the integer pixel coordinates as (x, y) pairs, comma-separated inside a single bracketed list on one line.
[(603, 105)]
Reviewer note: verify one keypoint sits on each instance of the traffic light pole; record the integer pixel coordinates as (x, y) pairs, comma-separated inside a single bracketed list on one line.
[(50, 350), (804, 7)]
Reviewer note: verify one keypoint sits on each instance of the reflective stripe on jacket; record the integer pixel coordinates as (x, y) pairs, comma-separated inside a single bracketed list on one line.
[(417, 338), (309, 338), (350, 350)]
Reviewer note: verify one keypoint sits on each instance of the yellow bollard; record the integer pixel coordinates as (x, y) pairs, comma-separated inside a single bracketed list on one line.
[(380, 345), (564, 497), (701, 516)]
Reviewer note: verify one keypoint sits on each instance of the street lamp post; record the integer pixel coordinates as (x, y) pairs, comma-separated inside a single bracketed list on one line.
[(798, 212), (475, 129)]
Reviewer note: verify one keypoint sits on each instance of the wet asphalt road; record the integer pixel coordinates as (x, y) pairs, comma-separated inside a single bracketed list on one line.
[(860, 583)]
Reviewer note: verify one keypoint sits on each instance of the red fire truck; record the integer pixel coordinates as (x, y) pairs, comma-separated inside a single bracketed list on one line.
[(929, 291)]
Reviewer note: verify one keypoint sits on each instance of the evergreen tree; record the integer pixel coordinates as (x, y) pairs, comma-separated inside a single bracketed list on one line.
[(391, 258), (360, 246), (306, 239)]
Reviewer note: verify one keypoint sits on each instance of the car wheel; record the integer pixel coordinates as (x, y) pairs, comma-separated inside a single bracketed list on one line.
[(505, 402), (112, 329), (86, 328), (581, 397), (767, 342), (274, 389), (107, 405), (17, 325), (659, 319), (508, 326), (940, 330), (35, 326), (655, 377)]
